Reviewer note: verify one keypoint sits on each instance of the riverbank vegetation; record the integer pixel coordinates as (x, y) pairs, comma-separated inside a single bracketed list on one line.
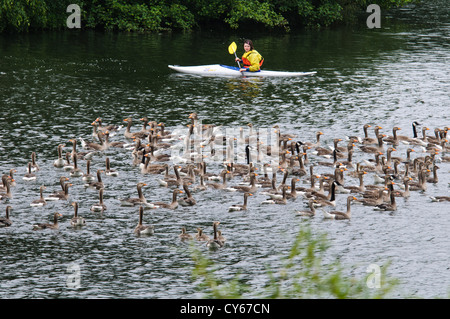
[(157, 15), (304, 274)]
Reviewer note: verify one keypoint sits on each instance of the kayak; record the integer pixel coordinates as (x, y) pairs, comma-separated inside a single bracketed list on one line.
[(225, 70)]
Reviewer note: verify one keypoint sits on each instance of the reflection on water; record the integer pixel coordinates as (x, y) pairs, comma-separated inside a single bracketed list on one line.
[(55, 84)]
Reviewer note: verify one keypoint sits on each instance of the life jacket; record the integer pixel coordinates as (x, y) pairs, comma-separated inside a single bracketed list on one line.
[(252, 56)]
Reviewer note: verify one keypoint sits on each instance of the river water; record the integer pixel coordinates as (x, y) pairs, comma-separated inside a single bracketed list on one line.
[(54, 84)]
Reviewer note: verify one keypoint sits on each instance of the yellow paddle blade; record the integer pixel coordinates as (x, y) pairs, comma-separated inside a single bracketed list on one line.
[(232, 48)]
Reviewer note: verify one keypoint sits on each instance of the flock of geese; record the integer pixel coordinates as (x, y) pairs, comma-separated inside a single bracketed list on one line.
[(399, 165)]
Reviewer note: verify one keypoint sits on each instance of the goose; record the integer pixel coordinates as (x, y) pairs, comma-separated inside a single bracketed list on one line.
[(200, 236), (12, 181), (433, 179), (88, 177), (55, 224), (293, 193), (5, 180), (157, 158), (60, 196), (358, 189), (201, 186), (359, 139), (141, 229), (100, 206), (41, 201), (7, 194), (316, 144), (99, 183), (92, 146), (5, 221), (184, 236), (128, 134), (421, 184), (173, 204), (337, 215), (394, 140), (405, 193), (372, 140), (329, 200), (54, 196), (117, 144), (440, 198), (373, 198), (239, 207), (34, 165), (188, 200), (30, 176), (309, 213), (392, 205), (68, 166), (329, 164), (80, 155), (282, 201), (110, 128), (220, 185), (108, 170), (59, 162), (374, 149), (406, 160), (247, 189), (76, 220), (147, 168), (215, 242), (75, 171), (172, 182), (301, 170), (140, 200)]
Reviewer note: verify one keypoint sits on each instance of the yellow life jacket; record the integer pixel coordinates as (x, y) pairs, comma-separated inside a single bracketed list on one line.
[(252, 60)]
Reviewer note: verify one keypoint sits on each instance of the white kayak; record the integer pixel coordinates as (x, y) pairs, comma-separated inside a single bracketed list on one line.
[(225, 70)]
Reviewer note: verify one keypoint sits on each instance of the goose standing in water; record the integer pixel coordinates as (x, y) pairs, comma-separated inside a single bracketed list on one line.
[(100, 206), (76, 220), (341, 215), (59, 162), (239, 207), (141, 229), (55, 224), (5, 221), (41, 201), (215, 242)]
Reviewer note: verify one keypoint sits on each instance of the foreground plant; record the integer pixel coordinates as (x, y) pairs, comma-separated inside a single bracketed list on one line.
[(304, 275)]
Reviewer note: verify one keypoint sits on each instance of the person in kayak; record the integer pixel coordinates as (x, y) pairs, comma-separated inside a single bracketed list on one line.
[(251, 59)]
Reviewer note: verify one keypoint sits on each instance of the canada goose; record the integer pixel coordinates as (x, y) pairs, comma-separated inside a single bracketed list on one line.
[(108, 170), (100, 206), (141, 229), (29, 176), (5, 221), (41, 201), (329, 200), (337, 215), (173, 204), (77, 220), (200, 236), (309, 213), (215, 242), (184, 235), (59, 162), (239, 207), (55, 224), (188, 200)]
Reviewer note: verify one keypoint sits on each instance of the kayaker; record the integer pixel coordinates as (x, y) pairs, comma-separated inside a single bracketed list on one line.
[(251, 59)]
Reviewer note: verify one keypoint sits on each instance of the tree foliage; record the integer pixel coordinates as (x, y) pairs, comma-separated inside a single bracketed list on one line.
[(154, 15)]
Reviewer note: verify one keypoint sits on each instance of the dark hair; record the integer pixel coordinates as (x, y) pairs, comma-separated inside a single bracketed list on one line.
[(250, 43)]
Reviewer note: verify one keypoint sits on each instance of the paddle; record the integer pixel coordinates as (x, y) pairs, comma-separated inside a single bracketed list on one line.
[(232, 49)]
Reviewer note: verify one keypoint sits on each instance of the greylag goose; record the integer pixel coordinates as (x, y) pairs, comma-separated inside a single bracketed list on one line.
[(308, 213), (392, 205), (189, 200), (99, 183), (337, 215), (100, 206), (240, 207), (59, 162), (34, 165), (141, 229), (76, 220), (5, 221), (29, 176), (215, 242), (140, 200), (184, 235), (75, 171), (55, 224), (201, 236), (108, 170), (7, 194), (88, 177), (173, 204), (41, 201), (59, 195)]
